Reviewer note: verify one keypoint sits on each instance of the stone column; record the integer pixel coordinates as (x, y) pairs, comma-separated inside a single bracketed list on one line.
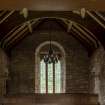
[(2, 85), (96, 68), (92, 83)]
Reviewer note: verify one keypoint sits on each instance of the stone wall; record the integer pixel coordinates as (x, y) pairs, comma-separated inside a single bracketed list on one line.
[(50, 99), (22, 68), (3, 72)]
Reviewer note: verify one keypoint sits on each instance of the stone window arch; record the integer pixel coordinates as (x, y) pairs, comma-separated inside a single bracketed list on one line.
[(38, 52)]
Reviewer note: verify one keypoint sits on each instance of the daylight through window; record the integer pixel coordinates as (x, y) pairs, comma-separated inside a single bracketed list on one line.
[(50, 77)]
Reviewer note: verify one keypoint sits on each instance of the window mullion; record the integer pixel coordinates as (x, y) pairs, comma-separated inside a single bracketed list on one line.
[(46, 78), (53, 77)]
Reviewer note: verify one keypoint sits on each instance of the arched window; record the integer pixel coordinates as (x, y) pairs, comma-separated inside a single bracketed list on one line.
[(50, 78)]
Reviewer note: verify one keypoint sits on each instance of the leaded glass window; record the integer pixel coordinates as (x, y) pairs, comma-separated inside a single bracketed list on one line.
[(50, 77)]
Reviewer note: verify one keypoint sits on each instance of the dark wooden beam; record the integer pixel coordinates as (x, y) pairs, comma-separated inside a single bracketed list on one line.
[(53, 5)]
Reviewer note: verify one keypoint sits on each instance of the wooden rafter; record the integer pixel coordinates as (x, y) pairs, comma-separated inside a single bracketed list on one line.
[(82, 36), (87, 36), (7, 15), (96, 19), (17, 32), (18, 35), (100, 15)]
